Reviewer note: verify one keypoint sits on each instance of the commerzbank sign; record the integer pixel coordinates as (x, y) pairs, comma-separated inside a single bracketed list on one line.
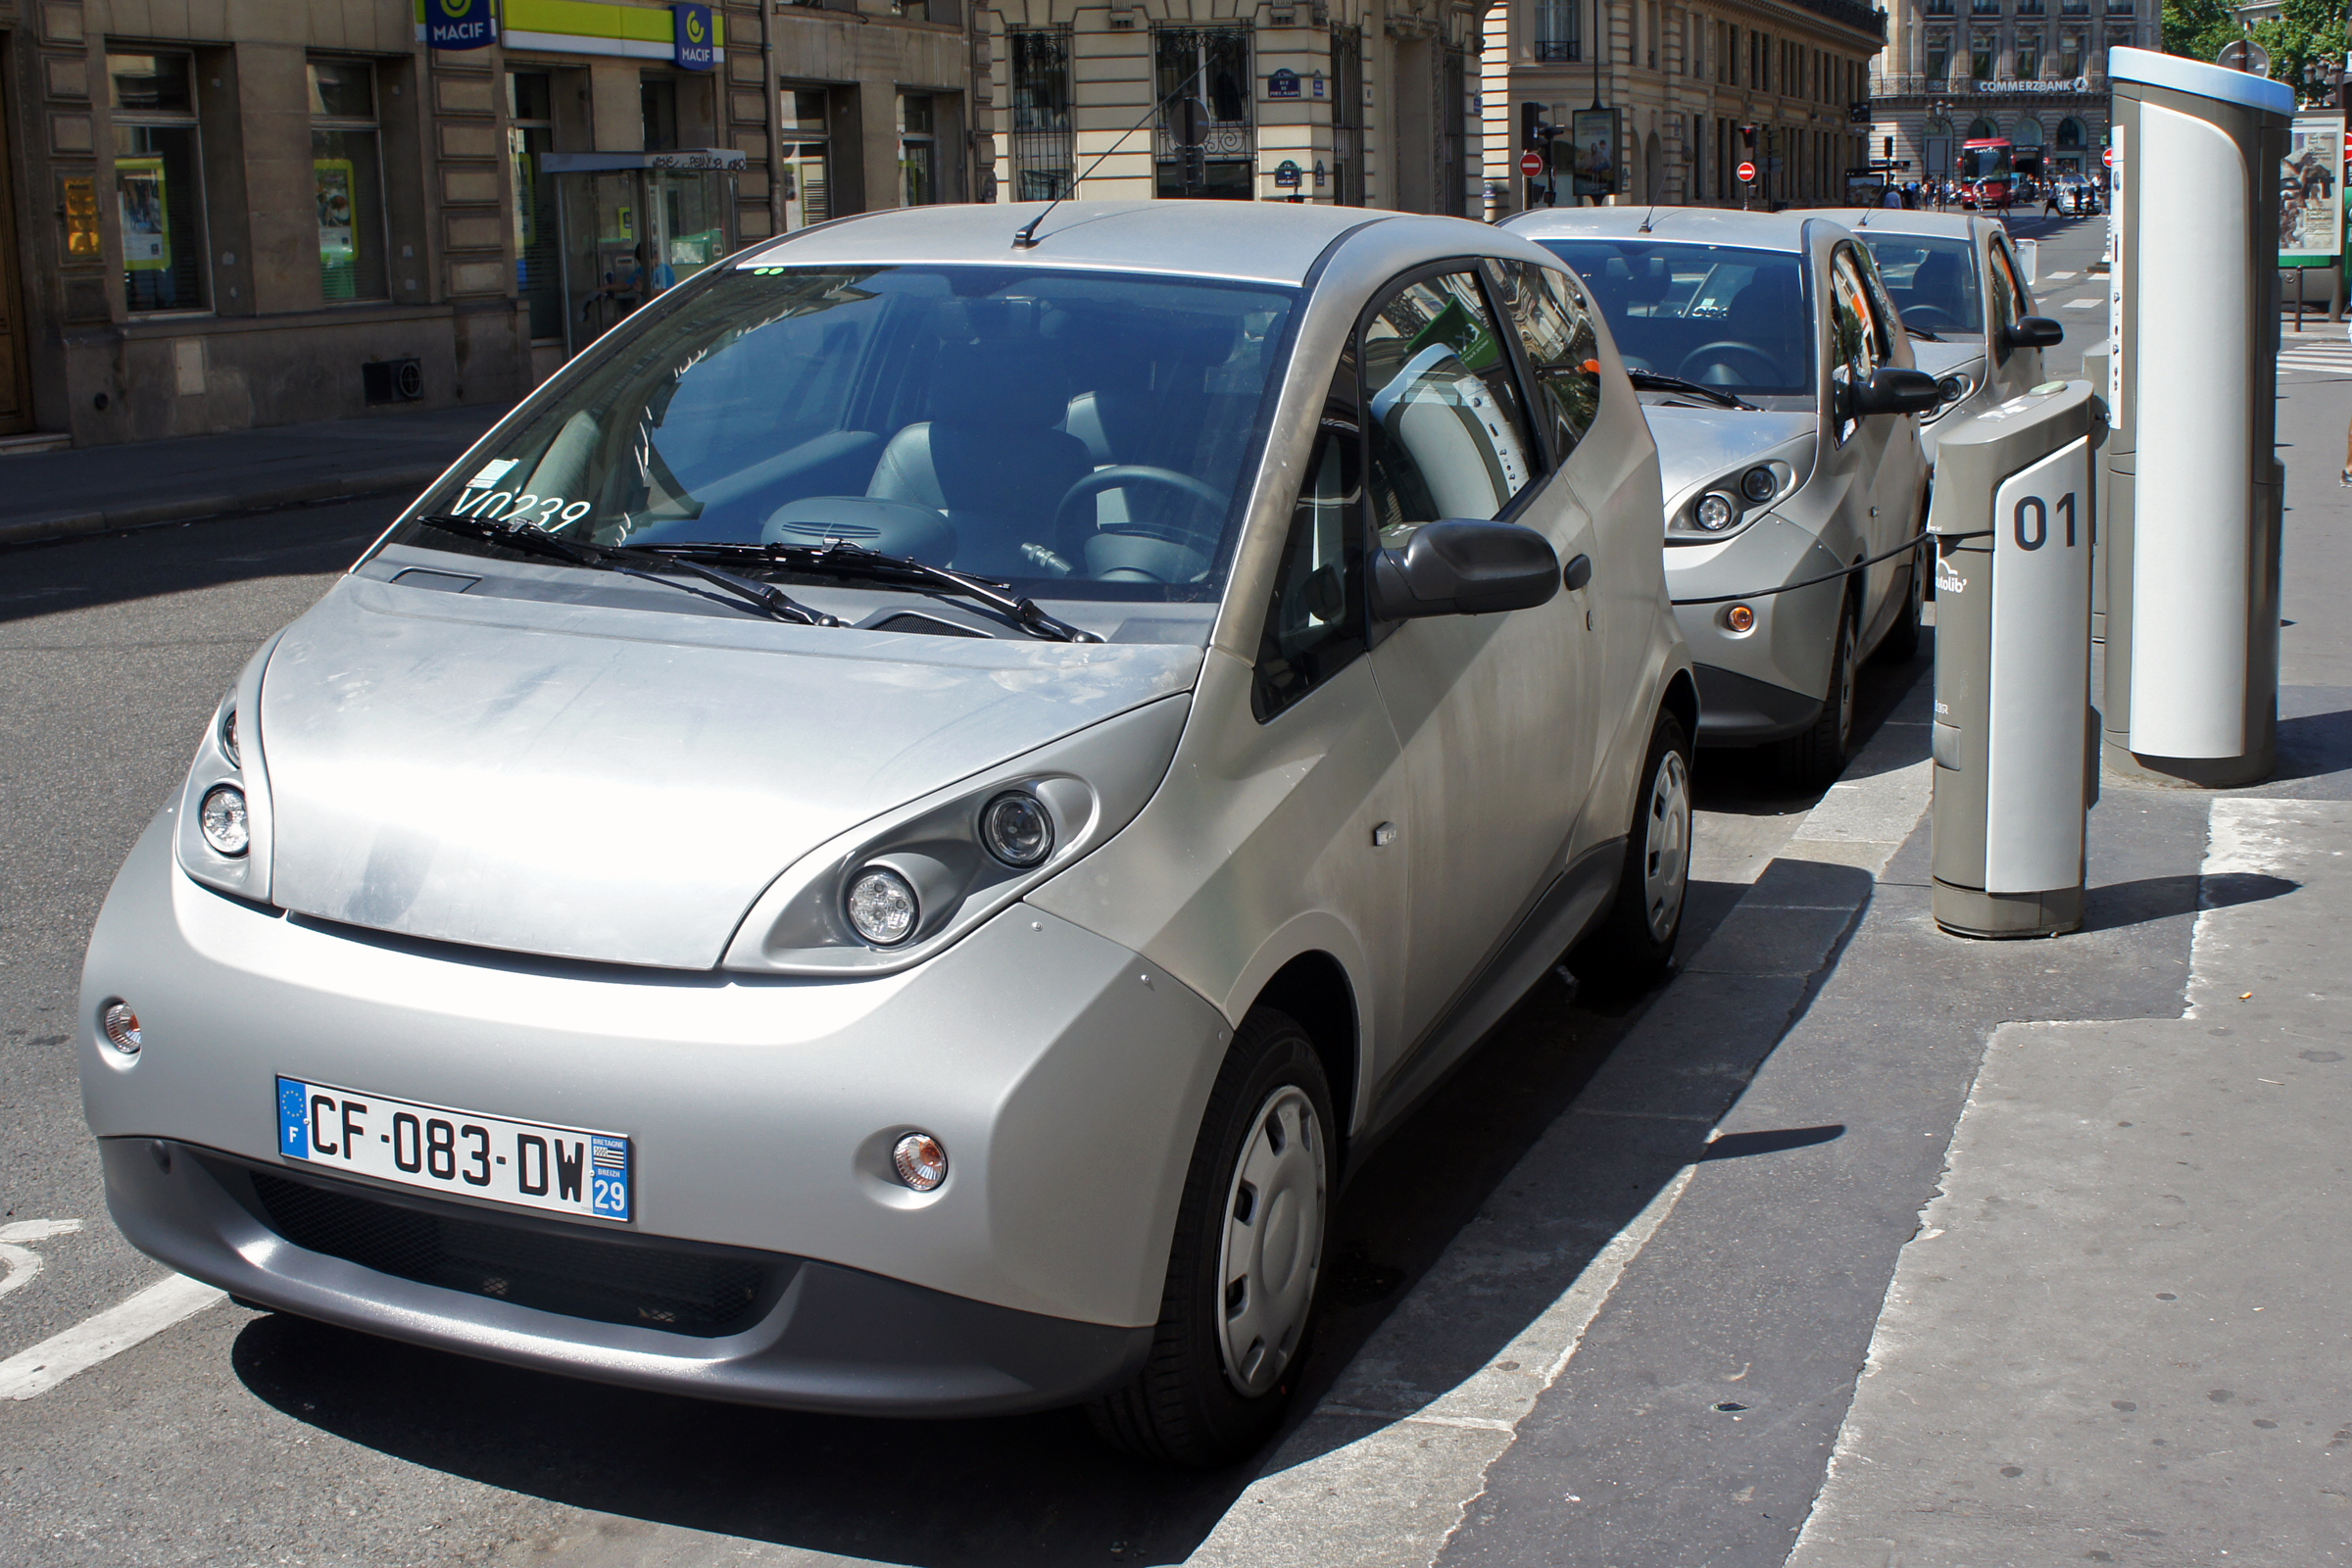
[(2077, 84)]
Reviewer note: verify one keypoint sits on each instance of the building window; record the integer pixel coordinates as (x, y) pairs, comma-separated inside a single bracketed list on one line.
[(2031, 8), (657, 108), (1939, 55), (1981, 48), (807, 139), (1211, 63), (2119, 7), (918, 151), (1042, 156), (2070, 132), (1558, 34), (1939, 7), (1984, 7), (538, 253), (1347, 116), (349, 179), (2074, 8), (158, 182), (2070, 60), (2029, 57)]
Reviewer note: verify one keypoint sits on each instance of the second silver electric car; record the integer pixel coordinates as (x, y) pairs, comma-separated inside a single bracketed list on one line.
[(1782, 389), (885, 842)]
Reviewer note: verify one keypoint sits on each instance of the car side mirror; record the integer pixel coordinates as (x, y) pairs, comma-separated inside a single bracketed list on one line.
[(1894, 390), (2033, 332), (1463, 567)]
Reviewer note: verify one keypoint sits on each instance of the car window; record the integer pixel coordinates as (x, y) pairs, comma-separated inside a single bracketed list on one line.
[(1554, 322), (1857, 344), (2008, 295), (1315, 616), (1079, 435), (1449, 438), (1933, 281), (1724, 316)]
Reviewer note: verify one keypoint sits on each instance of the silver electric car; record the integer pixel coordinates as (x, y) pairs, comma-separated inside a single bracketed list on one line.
[(886, 841), (1966, 302), (1783, 393)]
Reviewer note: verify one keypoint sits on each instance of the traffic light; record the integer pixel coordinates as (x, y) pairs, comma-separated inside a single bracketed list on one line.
[(1533, 131), (1747, 137)]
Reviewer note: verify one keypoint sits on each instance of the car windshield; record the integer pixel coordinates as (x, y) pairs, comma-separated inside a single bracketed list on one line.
[(1933, 281), (1724, 317), (1078, 434)]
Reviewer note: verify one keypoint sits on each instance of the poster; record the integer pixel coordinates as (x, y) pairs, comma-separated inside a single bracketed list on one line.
[(2311, 192), (338, 230), (1593, 133), (146, 220)]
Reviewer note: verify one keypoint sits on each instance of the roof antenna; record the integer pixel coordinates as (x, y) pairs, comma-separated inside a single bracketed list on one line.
[(1646, 221), (1025, 237)]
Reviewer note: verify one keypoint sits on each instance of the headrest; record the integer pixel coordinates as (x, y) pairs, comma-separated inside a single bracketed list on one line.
[(1010, 386)]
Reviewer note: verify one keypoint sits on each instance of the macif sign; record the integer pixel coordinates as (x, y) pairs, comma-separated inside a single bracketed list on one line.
[(458, 24), (698, 47)]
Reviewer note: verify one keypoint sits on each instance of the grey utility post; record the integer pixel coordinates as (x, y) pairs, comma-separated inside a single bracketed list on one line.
[(2192, 521), (2013, 742)]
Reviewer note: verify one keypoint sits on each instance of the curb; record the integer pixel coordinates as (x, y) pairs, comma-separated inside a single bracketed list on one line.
[(204, 508)]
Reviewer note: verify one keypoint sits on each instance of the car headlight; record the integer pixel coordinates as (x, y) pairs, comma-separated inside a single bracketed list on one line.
[(1955, 389), (223, 822), (1759, 484), (1017, 829), (882, 907), (229, 734), (1715, 512)]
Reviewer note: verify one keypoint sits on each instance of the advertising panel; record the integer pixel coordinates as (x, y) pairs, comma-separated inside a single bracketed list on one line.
[(2311, 192), (1593, 135)]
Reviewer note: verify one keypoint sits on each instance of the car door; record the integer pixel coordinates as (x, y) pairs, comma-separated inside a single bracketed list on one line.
[(2011, 371), (1881, 496), (1492, 712)]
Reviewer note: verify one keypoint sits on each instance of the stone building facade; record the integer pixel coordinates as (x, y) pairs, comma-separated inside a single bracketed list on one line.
[(1365, 103), (222, 214), (1684, 79), (2032, 71)]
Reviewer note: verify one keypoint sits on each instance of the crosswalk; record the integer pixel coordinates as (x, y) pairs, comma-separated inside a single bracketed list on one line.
[(2323, 352)]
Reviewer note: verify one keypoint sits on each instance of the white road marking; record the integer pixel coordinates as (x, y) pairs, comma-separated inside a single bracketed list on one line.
[(22, 1261), (94, 1338), (2325, 356), (2060, 277), (2082, 305)]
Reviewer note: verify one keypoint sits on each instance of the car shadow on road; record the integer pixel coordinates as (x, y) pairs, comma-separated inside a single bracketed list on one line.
[(44, 579)]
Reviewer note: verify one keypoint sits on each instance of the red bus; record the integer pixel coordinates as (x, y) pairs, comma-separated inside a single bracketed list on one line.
[(1988, 164)]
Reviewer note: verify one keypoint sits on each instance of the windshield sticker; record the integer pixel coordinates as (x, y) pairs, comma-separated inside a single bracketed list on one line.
[(504, 506), (491, 473)]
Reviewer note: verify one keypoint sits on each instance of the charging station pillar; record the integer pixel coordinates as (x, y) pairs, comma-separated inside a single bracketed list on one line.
[(2192, 521), (2014, 744)]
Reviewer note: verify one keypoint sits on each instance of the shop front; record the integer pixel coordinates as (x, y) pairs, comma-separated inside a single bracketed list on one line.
[(628, 226)]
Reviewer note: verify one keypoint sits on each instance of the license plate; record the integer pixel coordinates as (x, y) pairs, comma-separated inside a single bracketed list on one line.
[(563, 1170)]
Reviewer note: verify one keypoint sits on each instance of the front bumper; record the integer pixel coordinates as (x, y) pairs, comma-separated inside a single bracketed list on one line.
[(1768, 682), (1065, 1076), (781, 1331)]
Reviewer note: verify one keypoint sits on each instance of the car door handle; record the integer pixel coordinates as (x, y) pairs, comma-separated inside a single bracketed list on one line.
[(1577, 573)]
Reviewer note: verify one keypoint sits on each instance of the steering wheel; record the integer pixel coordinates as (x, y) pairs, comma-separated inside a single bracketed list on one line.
[(1934, 318), (1712, 353), (1122, 474)]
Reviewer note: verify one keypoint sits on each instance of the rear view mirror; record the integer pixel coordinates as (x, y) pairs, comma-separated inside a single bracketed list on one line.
[(1463, 567), (1892, 390), (2035, 332)]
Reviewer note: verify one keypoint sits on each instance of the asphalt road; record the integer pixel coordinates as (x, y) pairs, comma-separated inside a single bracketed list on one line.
[(241, 1436)]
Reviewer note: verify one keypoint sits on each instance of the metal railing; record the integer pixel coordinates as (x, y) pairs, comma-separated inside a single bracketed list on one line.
[(1552, 51)]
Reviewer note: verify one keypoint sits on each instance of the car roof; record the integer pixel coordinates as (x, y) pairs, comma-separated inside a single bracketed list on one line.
[(1863, 221), (1261, 242), (1698, 225)]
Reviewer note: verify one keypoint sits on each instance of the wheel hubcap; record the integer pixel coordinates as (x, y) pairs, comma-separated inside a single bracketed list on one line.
[(1666, 846), (1273, 1242)]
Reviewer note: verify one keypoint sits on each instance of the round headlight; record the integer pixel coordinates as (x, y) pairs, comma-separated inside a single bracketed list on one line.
[(122, 1026), (1953, 388), (882, 907), (1759, 484), (919, 1161), (1017, 829), (1715, 512), (228, 735), (222, 818)]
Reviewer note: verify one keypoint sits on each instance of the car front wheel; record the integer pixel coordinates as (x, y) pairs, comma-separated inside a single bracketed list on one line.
[(1635, 947), (1814, 758), (1247, 1256)]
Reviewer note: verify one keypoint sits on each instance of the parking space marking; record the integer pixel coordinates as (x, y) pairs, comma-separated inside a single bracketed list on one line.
[(94, 1338), (21, 1260)]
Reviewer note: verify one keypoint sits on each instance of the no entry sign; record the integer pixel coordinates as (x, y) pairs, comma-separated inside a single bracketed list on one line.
[(1747, 173), (2108, 158), (1531, 162)]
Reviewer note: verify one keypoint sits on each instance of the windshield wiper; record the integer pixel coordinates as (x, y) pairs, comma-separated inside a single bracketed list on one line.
[(1653, 381), (533, 540), (842, 559), (1922, 334)]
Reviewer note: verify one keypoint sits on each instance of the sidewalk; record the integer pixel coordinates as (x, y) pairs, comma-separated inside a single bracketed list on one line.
[(54, 495)]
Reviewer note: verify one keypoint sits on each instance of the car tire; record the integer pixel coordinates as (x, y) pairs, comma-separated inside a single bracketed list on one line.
[(1634, 949), (1813, 759), (1900, 645), (1248, 1254)]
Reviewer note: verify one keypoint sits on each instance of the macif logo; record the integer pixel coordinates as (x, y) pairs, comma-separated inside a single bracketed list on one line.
[(461, 25), (697, 42)]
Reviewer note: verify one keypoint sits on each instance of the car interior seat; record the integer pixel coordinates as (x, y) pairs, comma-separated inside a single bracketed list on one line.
[(1768, 318)]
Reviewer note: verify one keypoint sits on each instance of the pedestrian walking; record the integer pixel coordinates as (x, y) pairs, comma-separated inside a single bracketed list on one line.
[(2049, 202)]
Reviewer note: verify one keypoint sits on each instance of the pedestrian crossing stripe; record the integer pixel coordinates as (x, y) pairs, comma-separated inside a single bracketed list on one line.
[(2327, 356)]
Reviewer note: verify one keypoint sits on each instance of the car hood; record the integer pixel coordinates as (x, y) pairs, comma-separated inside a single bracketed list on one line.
[(610, 784), (1942, 358), (1699, 446)]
